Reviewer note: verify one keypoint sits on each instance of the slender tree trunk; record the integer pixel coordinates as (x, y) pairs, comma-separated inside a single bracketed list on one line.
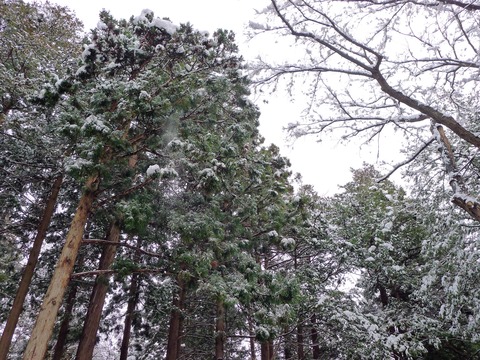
[(314, 338), (97, 298), (253, 355), (176, 321), (220, 331), (287, 347), (300, 347), (300, 339), (63, 332), (22, 291), (42, 331), (132, 303)]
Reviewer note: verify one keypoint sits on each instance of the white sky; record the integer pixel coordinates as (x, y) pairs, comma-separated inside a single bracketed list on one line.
[(324, 164)]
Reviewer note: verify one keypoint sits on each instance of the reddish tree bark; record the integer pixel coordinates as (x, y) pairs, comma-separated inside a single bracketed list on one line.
[(314, 338), (220, 331), (132, 303), (127, 329), (97, 298), (42, 331), (22, 291), (266, 349), (63, 331), (176, 321)]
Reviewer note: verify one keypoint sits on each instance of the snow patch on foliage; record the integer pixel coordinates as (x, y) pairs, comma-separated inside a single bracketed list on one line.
[(167, 172), (169, 27), (287, 243), (272, 234), (166, 25), (94, 123), (81, 70), (153, 169)]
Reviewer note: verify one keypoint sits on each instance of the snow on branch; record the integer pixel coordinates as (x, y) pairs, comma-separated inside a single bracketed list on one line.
[(407, 161)]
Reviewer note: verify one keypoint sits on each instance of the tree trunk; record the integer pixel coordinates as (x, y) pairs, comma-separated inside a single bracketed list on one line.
[(253, 355), (267, 350), (300, 348), (97, 298), (176, 321), (288, 352), (42, 331), (300, 339), (314, 338), (63, 332), (220, 331), (132, 303), (22, 291)]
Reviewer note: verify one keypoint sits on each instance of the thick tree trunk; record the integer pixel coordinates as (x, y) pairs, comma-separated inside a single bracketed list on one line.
[(63, 332), (132, 303), (22, 291), (176, 321), (220, 331), (42, 331), (314, 338), (97, 298), (266, 349)]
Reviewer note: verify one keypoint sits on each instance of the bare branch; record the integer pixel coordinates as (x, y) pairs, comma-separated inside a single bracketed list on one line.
[(407, 161)]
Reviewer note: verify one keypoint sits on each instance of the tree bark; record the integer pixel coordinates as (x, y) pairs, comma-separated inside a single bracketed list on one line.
[(22, 291), (132, 303), (176, 321), (63, 332), (253, 354), (267, 350), (300, 348), (314, 338), (288, 352), (42, 331), (97, 298), (127, 329), (220, 331)]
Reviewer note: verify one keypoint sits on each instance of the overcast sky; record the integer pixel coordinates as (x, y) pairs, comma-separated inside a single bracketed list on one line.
[(324, 164)]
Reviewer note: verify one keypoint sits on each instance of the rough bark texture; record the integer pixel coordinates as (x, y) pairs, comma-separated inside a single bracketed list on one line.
[(300, 348), (267, 352), (220, 331), (316, 353), (42, 331), (24, 285), (176, 322), (97, 298), (63, 332)]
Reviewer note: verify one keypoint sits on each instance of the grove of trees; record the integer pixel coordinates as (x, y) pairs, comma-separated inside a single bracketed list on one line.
[(142, 216)]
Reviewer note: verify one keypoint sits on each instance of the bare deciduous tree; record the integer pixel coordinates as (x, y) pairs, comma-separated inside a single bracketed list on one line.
[(409, 65)]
